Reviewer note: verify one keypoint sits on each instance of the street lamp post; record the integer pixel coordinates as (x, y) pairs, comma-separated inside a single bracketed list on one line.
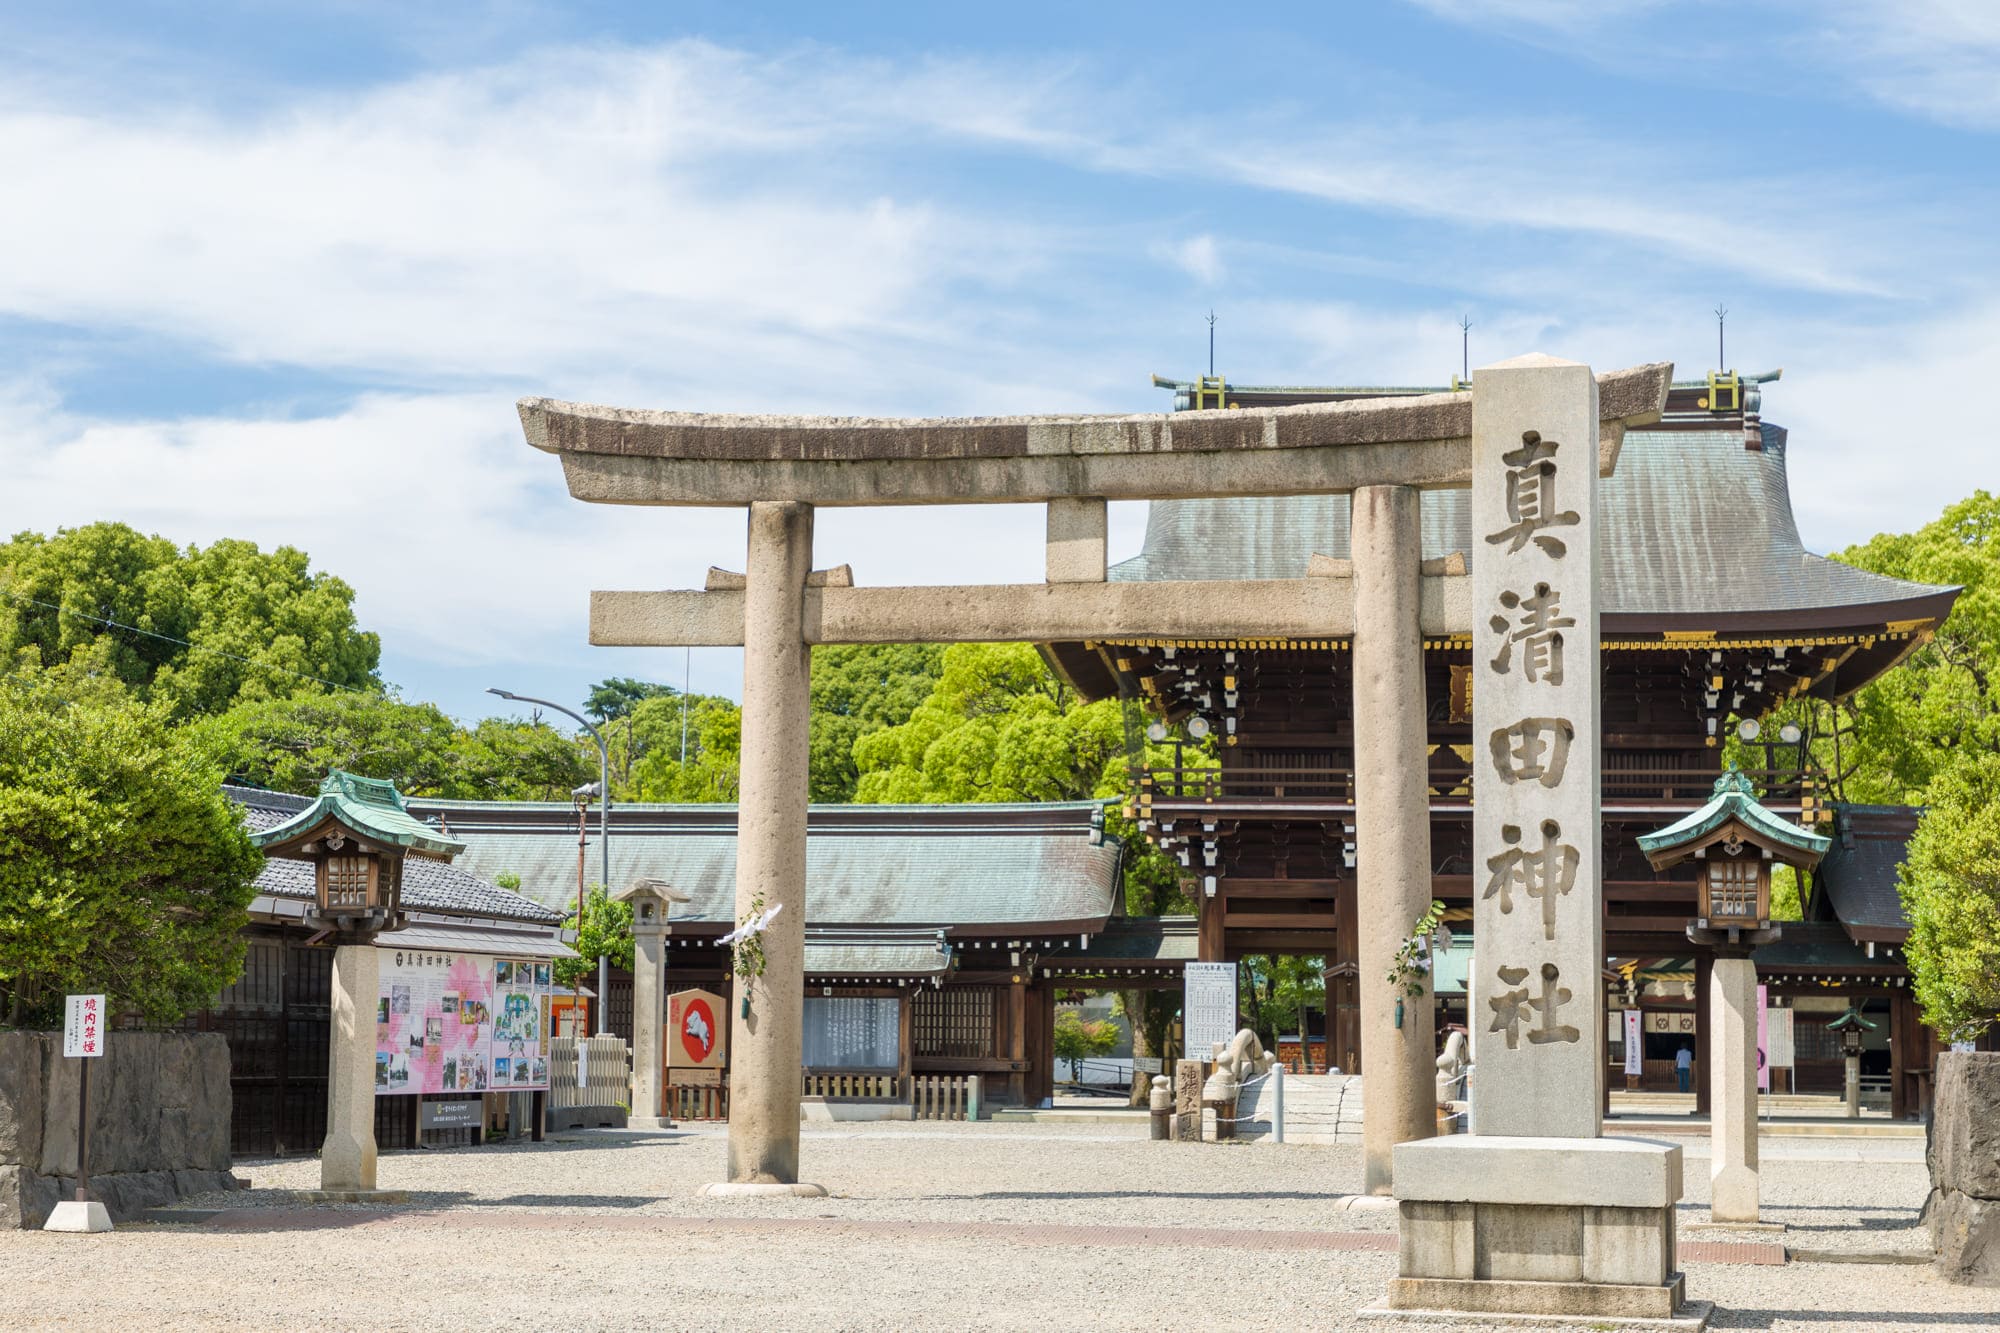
[(603, 822)]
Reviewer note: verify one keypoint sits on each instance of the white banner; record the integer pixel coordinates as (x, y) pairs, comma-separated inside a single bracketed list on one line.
[(1208, 1008), (83, 1027), (1780, 1035), (1635, 1044)]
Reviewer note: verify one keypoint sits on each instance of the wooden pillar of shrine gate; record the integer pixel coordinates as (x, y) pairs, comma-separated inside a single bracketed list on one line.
[(767, 1015), (1536, 1213), (1392, 835)]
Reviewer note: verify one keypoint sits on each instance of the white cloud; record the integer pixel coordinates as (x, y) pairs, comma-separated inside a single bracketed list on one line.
[(1939, 59), (1197, 256), (687, 226)]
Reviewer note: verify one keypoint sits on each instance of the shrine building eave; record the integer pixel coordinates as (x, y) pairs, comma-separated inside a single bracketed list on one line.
[(624, 456)]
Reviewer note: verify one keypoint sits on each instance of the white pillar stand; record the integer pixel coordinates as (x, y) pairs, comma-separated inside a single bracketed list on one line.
[(347, 1157), (78, 1215)]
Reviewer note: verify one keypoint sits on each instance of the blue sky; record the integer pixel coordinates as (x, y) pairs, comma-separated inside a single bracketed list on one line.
[(280, 271)]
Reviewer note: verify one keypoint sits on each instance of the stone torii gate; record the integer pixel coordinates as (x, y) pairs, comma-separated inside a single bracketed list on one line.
[(1383, 451)]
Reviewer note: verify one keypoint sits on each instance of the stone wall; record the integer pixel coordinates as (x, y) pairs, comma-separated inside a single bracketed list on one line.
[(159, 1122), (1964, 1155)]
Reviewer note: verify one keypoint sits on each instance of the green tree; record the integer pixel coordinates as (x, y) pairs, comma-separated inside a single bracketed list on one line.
[(1078, 1038), (1942, 704), (197, 628), (606, 932), (714, 749), (289, 744), (123, 867), (1950, 886), (857, 690)]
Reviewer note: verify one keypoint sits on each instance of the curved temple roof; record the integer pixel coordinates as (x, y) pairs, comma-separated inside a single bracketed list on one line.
[(369, 807), (1694, 530)]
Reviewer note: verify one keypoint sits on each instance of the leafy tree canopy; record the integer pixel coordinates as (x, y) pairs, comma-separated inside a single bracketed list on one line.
[(1950, 887), (1919, 720), (616, 697), (123, 867), (289, 744), (261, 625), (606, 932)]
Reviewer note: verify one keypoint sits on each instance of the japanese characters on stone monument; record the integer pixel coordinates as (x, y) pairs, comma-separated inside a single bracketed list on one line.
[(1538, 914)]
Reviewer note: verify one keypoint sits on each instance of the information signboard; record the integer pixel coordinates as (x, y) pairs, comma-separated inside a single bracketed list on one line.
[(83, 1027), (460, 1022), (1780, 1037), (1208, 1008)]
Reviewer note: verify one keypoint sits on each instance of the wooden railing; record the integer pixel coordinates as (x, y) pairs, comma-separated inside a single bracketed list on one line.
[(858, 1086), (1689, 786), (706, 1101), (941, 1096)]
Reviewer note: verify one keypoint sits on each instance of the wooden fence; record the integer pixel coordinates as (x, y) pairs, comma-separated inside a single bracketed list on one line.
[(697, 1101), (929, 1096), (941, 1096), (870, 1087)]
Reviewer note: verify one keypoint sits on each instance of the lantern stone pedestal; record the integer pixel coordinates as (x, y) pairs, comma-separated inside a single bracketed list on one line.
[(652, 901), (1525, 1228), (347, 1157)]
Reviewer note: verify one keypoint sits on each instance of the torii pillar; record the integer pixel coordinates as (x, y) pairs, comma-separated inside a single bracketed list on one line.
[(1392, 812), (768, 1015)]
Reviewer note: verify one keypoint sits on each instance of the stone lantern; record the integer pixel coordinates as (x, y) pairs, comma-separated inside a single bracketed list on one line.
[(1736, 841), (356, 835), (1850, 1026), (652, 903)]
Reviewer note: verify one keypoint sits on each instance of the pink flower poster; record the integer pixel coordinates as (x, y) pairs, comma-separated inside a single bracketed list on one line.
[(448, 1022)]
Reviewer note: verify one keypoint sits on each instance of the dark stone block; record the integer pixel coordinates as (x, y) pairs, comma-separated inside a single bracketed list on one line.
[(1966, 1233), (1964, 1150), (21, 1097)]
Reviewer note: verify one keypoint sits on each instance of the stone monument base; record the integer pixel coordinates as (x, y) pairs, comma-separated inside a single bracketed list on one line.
[(1568, 1228), (763, 1190)]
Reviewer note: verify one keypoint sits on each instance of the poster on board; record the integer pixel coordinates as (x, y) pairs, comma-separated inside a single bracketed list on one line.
[(1208, 1008), (444, 1021)]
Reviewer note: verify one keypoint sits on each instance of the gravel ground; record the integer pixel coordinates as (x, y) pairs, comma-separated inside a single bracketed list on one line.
[(594, 1231)]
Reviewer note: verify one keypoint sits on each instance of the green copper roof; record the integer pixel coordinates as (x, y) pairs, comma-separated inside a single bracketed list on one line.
[(1735, 800), (373, 809)]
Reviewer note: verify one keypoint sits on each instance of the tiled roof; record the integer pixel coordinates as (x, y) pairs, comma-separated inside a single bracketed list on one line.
[(428, 885), (1858, 877), (934, 865), (876, 953), (1820, 944), (1690, 523), (370, 807), (1735, 800)]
